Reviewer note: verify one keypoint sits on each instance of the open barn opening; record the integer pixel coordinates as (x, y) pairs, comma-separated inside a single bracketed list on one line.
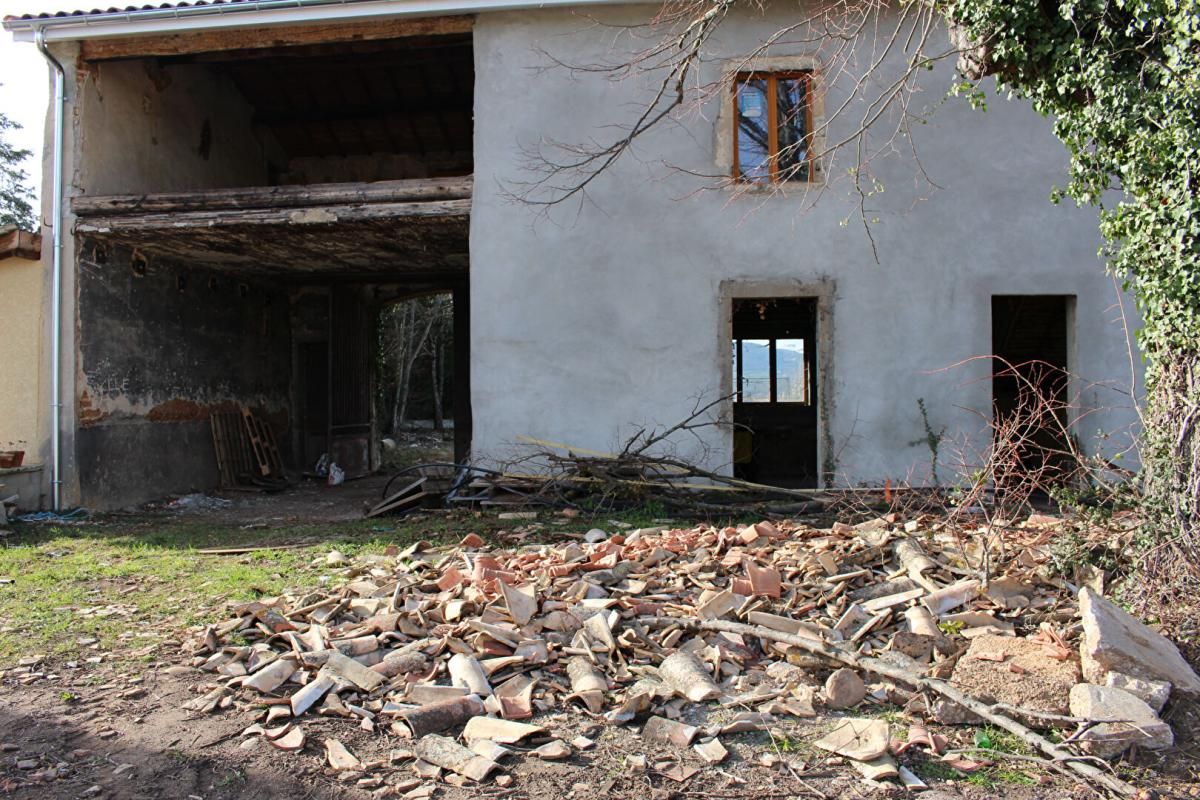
[(275, 197)]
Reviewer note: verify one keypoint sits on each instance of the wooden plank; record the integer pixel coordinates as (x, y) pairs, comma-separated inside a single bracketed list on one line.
[(410, 190), (404, 498), (261, 38), (316, 215), (237, 551)]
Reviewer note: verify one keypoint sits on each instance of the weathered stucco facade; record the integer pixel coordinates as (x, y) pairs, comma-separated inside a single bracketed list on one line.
[(588, 321), (605, 319)]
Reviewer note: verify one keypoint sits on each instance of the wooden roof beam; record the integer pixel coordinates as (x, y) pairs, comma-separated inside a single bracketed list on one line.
[(260, 38)]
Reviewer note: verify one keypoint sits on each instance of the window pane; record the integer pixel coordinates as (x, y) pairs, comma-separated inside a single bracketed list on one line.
[(756, 371), (754, 163), (793, 128), (790, 383)]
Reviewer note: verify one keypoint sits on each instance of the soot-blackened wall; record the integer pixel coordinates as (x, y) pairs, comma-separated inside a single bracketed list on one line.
[(160, 346)]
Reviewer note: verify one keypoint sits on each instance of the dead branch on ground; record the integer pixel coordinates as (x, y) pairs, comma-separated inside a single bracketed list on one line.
[(1084, 769)]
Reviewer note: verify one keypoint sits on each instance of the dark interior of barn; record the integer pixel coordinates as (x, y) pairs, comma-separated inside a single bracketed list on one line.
[(240, 259)]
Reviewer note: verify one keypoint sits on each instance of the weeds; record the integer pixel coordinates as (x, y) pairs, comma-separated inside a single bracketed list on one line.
[(992, 777), (932, 439), (951, 627), (989, 737), (231, 777)]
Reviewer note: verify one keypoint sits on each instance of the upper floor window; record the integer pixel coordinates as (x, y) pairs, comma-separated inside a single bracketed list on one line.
[(772, 137)]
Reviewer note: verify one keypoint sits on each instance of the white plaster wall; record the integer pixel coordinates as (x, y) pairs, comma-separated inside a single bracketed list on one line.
[(603, 318), (143, 130)]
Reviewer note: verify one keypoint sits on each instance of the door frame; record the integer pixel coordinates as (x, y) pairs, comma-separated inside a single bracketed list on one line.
[(823, 291)]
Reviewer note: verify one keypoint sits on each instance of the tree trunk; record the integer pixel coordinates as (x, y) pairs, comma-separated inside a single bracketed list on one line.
[(1171, 471), (400, 316), (417, 333)]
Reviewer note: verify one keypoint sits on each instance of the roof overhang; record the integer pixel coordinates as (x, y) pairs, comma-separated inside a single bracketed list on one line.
[(16, 243), (255, 13)]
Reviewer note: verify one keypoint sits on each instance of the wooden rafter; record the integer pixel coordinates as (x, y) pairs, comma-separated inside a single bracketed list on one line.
[(260, 39)]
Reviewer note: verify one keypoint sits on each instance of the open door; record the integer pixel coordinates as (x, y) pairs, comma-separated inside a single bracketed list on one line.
[(1031, 378), (774, 378)]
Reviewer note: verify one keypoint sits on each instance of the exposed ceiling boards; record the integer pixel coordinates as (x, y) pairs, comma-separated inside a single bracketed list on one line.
[(411, 97), (391, 246)]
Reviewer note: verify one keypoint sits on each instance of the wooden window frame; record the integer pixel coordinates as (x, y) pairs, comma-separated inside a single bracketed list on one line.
[(772, 79)]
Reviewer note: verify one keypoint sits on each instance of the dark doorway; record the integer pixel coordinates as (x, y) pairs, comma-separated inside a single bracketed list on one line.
[(775, 383), (1030, 379), (313, 380), (350, 381)]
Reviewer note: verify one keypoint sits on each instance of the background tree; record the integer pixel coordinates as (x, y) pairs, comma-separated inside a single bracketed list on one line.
[(16, 197), (1120, 79), (415, 337)]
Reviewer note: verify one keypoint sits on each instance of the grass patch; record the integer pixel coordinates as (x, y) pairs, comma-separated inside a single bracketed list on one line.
[(986, 778), (987, 738), (936, 771), (129, 582), (992, 777)]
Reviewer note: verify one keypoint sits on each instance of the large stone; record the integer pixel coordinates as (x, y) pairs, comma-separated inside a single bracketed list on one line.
[(1154, 693), (1113, 641), (1015, 671), (1141, 725), (844, 689)]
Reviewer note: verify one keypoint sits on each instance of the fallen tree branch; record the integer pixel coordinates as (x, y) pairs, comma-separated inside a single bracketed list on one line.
[(1089, 772)]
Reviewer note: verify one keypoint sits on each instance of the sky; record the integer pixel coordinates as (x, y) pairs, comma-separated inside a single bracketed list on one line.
[(25, 79)]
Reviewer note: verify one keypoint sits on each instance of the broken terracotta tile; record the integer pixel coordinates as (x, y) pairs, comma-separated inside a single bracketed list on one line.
[(666, 731), (338, 757), (555, 750), (502, 731), (859, 739), (764, 581), (687, 676), (444, 752), (712, 751), (293, 739)]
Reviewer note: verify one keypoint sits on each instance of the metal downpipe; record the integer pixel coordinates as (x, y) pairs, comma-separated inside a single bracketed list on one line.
[(56, 223)]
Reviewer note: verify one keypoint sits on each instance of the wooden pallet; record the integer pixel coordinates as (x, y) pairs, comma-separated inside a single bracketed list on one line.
[(245, 449), (262, 444), (235, 459)]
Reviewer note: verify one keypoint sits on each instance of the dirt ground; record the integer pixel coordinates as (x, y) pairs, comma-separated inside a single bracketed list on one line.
[(309, 500), (133, 741)]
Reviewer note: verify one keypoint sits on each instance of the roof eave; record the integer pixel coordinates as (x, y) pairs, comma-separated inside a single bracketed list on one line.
[(259, 14), (16, 243)]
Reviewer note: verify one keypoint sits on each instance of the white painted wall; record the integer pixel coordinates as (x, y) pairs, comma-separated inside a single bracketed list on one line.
[(608, 317)]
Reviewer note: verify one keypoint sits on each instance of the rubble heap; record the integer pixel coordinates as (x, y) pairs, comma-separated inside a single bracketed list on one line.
[(456, 650)]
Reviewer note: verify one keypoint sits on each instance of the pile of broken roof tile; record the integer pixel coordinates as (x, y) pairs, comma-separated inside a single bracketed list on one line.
[(454, 649)]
